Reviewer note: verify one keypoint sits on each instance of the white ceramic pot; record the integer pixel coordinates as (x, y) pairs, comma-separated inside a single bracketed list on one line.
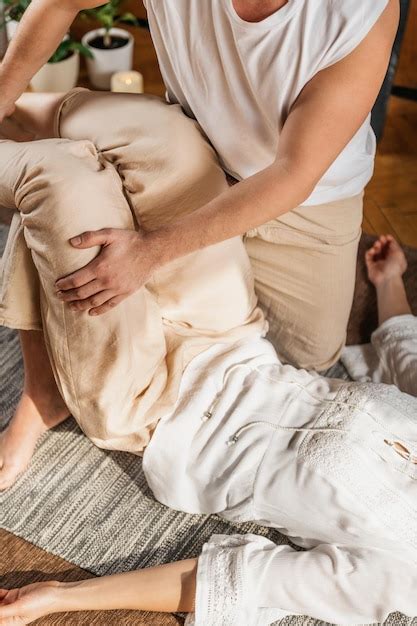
[(57, 77), (106, 62), (11, 28)]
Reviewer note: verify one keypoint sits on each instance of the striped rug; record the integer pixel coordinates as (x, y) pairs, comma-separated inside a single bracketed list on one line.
[(92, 507)]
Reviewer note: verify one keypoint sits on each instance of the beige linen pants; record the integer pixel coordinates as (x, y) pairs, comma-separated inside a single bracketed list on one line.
[(305, 268), (119, 160)]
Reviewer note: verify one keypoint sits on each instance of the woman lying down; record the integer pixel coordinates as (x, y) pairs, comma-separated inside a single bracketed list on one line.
[(180, 371)]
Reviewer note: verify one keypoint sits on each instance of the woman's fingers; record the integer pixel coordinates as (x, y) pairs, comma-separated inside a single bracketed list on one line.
[(97, 300), (383, 246), (8, 610), (369, 256)]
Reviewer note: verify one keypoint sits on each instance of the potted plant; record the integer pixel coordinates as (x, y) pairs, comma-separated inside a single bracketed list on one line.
[(61, 72), (111, 47), (13, 13)]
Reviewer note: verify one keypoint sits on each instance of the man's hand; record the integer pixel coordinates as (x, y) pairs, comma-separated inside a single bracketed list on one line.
[(124, 264), (6, 111), (12, 129)]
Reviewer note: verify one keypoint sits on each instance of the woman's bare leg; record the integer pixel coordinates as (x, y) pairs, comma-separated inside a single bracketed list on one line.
[(33, 117), (167, 588), (386, 264), (40, 408)]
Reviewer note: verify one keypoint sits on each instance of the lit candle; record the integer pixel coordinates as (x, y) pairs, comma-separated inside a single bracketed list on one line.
[(127, 82)]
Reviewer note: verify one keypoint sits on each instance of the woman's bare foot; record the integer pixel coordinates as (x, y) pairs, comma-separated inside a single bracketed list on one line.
[(386, 263), (40, 408)]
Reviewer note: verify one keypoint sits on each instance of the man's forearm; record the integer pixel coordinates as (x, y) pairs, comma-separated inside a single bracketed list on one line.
[(255, 201), (40, 32)]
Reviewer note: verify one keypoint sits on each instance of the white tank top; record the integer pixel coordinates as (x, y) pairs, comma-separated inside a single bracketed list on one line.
[(240, 79)]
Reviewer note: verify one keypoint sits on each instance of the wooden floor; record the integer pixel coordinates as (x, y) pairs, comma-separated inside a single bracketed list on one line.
[(21, 563), (391, 196)]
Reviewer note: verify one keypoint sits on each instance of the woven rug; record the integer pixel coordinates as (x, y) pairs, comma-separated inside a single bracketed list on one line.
[(22, 563), (93, 507)]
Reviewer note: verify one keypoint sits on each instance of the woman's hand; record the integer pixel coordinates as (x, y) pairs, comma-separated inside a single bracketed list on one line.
[(25, 605), (125, 263)]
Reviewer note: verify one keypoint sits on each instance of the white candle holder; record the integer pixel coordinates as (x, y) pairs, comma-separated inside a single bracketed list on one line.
[(127, 82)]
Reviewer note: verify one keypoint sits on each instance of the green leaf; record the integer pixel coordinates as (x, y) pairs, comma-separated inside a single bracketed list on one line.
[(81, 49), (15, 9), (108, 22), (68, 47), (130, 18), (109, 14), (62, 52)]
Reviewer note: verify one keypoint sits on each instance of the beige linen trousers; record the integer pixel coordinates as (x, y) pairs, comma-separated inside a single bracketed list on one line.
[(304, 264), (119, 160)]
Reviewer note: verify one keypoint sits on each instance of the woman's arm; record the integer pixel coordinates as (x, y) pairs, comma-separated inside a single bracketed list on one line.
[(327, 114), (40, 32), (165, 589)]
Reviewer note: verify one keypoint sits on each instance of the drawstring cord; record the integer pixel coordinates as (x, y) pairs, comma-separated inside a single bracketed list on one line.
[(409, 455), (233, 440), (209, 413), (399, 448)]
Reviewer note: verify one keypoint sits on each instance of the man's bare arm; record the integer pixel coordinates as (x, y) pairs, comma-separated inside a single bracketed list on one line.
[(40, 32), (328, 113)]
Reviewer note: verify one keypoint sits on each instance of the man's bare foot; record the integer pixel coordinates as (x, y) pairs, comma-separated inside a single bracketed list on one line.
[(386, 264), (385, 260), (40, 408)]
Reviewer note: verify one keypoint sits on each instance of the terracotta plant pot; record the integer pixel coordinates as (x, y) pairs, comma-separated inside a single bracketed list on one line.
[(106, 62)]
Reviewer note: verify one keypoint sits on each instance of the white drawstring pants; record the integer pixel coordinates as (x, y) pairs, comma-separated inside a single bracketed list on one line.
[(332, 464)]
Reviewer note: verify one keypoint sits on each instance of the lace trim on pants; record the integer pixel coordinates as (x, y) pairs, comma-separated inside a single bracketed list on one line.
[(223, 596), (349, 459)]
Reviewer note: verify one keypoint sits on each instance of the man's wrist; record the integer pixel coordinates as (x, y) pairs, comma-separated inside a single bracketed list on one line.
[(8, 95), (161, 244)]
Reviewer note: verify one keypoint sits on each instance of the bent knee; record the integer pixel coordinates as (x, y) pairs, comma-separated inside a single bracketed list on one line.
[(29, 169), (56, 159), (65, 188)]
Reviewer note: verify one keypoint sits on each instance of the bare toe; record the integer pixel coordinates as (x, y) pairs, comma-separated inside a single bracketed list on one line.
[(8, 477), (9, 471)]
